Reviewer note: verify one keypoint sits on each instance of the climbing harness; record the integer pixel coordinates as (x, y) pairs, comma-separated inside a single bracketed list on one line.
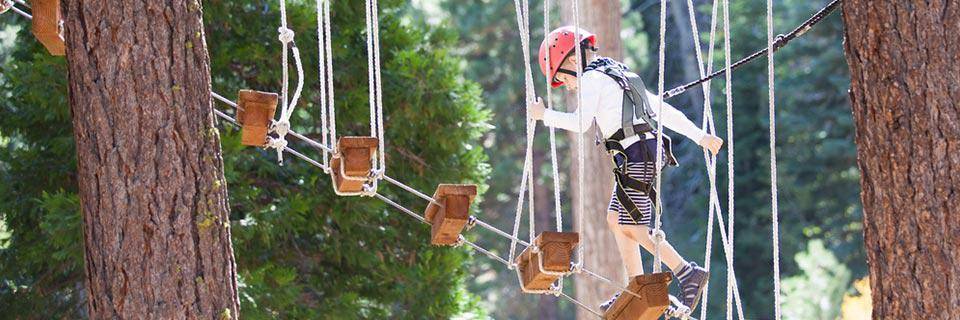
[(635, 105)]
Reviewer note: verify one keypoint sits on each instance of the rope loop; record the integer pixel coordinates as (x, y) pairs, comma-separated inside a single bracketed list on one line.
[(286, 35), (281, 128)]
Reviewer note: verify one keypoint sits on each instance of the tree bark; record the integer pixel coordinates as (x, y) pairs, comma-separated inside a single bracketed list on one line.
[(601, 17), (905, 88), (152, 191)]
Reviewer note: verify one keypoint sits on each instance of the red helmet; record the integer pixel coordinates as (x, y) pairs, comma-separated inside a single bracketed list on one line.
[(561, 42)]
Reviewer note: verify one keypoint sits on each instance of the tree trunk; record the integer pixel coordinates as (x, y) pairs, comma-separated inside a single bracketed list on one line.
[(905, 88), (601, 17), (152, 191)]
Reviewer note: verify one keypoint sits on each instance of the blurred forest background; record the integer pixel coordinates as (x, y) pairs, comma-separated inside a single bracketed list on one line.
[(454, 66)]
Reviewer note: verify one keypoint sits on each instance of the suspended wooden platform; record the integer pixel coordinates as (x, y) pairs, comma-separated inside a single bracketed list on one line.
[(47, 25), (539, 268), (351, 164), (651, 304), (448, 222), (255, 111)]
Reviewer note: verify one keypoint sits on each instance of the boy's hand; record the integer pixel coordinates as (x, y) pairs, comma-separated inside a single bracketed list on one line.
[(712, 143), (537, 109)]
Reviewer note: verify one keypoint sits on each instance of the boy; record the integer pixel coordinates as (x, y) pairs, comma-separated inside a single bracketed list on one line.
[(626, 114)]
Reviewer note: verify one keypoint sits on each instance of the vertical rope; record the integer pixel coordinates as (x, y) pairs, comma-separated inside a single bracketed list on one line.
[(332, 122), (284, 31), (373, 82), (730, 176), (707, 124), (773, 163), (322, 72), (581, 133), (382, 169), (658, 209), (526, 182), (553, 134), (531, 125), (282, 126)]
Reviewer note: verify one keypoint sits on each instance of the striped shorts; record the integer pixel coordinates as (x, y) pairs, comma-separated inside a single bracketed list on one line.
[(643, 171)]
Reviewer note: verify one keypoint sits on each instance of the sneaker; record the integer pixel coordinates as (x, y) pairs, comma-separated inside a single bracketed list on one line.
[(606, 305), (677, 312), (692, 281)]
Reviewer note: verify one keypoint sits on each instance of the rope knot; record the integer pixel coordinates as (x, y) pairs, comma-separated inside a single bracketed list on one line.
[(278, 144), (281, 128), (286, 35)]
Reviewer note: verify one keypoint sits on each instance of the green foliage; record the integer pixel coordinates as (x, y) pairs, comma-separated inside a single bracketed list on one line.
[(814, 293), (302, 252)]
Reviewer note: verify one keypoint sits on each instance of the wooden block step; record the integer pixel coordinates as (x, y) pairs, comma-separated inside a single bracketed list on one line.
[(651, 304), (353, 161), (255, 111), (448, 222), (556, 251), (47, 25)]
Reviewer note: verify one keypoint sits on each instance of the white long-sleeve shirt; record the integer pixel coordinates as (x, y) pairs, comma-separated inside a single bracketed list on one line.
[(603, 102)]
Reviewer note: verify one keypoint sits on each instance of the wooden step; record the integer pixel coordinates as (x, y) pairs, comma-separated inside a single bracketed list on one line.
[(47, 25), (448, 222), (556, 251), (352, 164), (255, 111), (652, 303)]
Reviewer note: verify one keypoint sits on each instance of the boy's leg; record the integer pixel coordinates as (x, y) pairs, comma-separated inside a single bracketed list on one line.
[(629, 249), (692, 278), (629, 253), (668, 254)]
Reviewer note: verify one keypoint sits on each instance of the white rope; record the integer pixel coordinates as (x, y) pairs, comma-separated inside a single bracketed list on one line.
[(380, 121), (773, 163), (373, 82), (730, 176), (710, 160), (282, 126), (332, 116), (531, 125), (580, 150), (658, 236), (324, 103), (526, 183), (558, 212)]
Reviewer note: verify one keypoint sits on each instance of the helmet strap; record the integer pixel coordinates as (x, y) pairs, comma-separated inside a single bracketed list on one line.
[(569, 72)]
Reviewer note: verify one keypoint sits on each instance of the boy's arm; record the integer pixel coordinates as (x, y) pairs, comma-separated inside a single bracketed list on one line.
[(593, 87), (675, 120)]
